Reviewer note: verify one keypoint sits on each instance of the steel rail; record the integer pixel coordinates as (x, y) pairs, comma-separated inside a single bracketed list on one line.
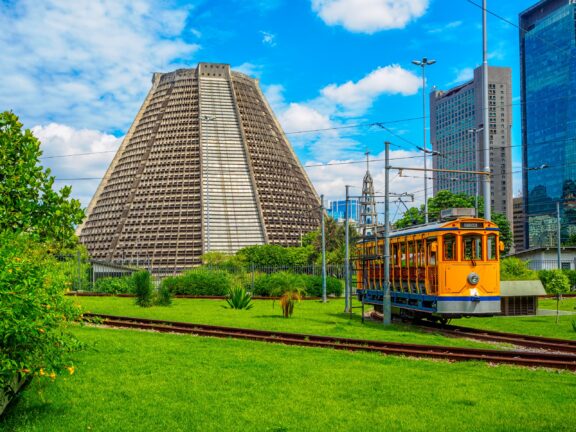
[(523, 358), (539, 342)]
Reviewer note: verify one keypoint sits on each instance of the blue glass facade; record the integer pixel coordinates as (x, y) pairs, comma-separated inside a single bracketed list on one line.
[(337, 210), (548, 72)]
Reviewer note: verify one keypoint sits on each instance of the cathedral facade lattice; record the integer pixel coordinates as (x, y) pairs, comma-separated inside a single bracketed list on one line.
[(204, 167)]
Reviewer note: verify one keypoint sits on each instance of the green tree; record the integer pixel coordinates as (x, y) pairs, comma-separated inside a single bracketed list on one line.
[(446, 199), (28, 202)]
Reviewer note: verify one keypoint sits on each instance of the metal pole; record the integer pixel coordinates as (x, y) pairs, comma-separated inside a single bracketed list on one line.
[(424, 142), (79, 286), (347, 293), (487, 192), (558, 223), (387, 312), (323, 250), (477, 168)]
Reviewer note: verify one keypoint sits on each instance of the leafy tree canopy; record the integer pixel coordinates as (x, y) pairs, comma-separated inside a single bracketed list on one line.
[(27, 201), (446, 199)]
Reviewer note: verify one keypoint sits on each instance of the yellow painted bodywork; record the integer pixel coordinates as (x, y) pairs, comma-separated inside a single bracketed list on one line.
[(451, 275)]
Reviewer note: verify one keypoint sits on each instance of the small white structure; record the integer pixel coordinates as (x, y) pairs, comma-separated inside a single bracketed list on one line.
[(546, 258)]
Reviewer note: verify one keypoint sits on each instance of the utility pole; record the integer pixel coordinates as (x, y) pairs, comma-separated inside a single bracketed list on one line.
[(558, 227), (485, 105), (423, 63), (323, 250), (386, 309), (347, 293)]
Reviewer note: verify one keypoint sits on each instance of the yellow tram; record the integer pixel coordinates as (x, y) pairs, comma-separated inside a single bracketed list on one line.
[(441, 270)]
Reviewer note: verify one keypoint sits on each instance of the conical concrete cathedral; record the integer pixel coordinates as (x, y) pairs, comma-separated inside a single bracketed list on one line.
[(204, 167)]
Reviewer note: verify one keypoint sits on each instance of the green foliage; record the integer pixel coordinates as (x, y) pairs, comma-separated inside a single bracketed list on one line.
[(114, 285), (27, 201), (34, 312), (238, 298), (445, 199), (200, 281), (275, 284), (231, 263), (276, 256), (513, 269), (571, 274), (506, 234), (574, 325), (143, 288), (163, 297), (554, 281), (313, 286)]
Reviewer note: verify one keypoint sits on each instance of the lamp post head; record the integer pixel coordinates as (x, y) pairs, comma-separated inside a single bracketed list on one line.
[(430, 62), (417, 62)]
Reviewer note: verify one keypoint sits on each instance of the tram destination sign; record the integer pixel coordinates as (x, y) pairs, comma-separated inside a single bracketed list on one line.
[(472, 225)]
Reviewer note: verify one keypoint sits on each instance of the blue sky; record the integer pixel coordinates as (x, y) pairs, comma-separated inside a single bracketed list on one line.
[(76, 72)]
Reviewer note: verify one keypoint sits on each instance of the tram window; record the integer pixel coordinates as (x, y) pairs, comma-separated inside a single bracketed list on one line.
[(472, 247), (449, 247), (403, 254), (492, 247), (431, 253), (411, 254)]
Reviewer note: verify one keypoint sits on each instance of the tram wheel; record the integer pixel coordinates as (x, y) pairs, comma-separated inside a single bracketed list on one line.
[(444, 320)]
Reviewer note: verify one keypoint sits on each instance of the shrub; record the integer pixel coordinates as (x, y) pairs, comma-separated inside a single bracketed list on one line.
[(314, 286), (143, 288), (114, 285), (200, 281), (571, 277), (276, 284), (556, 282), (512, 269), (163, 296), (34, 312), (238, 298)]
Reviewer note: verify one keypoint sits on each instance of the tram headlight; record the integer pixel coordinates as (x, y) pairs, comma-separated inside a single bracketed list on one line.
[(473, 278)]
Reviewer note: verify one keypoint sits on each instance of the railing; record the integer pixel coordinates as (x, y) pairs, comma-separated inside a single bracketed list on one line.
[(83, 274), (552, 264)]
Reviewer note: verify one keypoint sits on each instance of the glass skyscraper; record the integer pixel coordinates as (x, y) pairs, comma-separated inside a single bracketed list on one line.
[(548, 85), (337, 210)]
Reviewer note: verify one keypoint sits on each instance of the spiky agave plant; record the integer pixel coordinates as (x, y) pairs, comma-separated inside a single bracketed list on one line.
[(288, 299), (238, 298)]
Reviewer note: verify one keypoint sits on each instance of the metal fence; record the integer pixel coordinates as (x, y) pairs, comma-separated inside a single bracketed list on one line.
[(552, 264), (84, 273)]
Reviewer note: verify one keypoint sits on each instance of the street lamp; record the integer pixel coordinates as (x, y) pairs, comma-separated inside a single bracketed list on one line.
[(423, 63)]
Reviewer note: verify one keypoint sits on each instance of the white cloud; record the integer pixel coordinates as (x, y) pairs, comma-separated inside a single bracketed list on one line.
[(299, 117), (331, 179), (87, 63), (57, 139), (360, 95), (250, 69), (268, 38), (369, 16), (335, 107), (439, 28), (463, 75)]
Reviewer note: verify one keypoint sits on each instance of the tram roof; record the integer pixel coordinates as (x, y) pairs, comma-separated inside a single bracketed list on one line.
[(423, 228)]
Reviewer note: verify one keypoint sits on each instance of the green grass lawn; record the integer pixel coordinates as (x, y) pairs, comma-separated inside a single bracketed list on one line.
[(143, 381), (532, 325), (310, 316), (566, 304)]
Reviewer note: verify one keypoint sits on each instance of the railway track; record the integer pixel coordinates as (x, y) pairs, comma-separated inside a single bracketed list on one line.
[(523, 358), (538, 342)]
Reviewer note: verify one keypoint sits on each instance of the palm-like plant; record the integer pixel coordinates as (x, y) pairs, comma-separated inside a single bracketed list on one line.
[(288, 299), (238, 298)]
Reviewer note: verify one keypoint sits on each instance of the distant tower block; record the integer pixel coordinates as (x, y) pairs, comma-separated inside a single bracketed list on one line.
[(204, 167)]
